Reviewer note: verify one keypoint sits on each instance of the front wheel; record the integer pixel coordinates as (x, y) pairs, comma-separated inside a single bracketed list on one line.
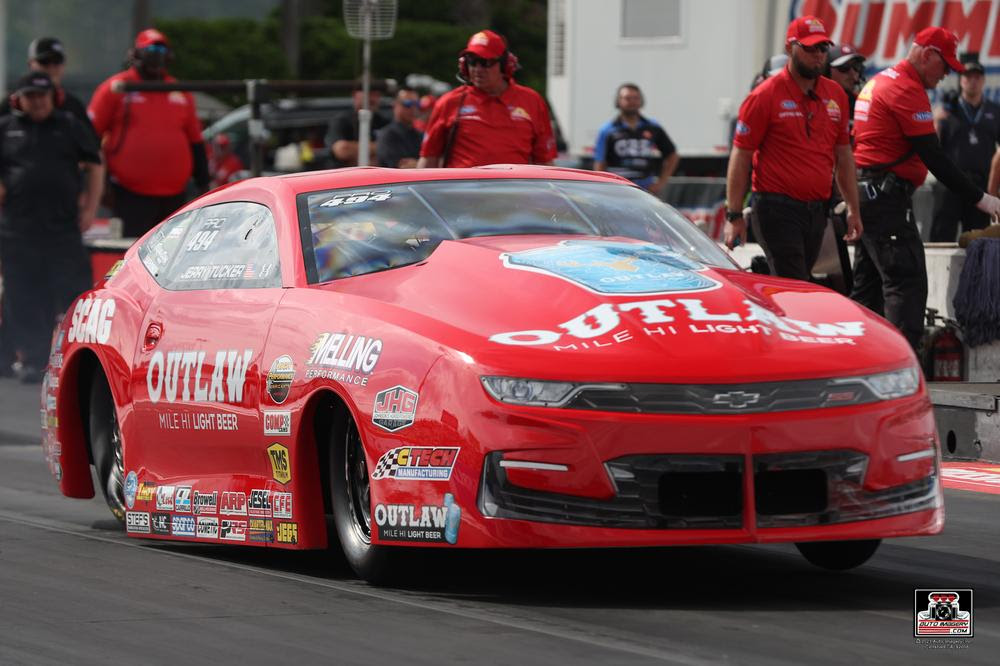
[(838, 555), (350, 498), (106, 446)]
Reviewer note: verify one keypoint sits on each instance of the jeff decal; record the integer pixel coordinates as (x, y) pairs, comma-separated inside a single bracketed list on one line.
[(281, 469), (408, 522), (279, 378), (395, 408), (424, 463)]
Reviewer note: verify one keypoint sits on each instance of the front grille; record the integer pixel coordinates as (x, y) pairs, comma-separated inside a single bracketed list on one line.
[(724, 398)]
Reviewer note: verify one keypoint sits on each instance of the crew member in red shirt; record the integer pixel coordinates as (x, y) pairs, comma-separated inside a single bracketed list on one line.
[(895, 144), (492, 119), (151, 140), (793, 128)]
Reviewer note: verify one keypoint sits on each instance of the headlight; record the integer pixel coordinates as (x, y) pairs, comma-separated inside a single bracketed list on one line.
[(537, 392), (888, 385)]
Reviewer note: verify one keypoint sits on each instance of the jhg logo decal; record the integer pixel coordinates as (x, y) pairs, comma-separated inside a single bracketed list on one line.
[(395, 408), (939, 612), (417, 463), (281, 469)]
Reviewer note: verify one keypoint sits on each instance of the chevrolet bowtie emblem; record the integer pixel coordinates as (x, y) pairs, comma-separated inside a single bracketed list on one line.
[(735, 399)]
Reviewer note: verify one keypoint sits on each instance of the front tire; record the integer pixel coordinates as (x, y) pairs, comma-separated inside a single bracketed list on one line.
[(106, 446), (838, 555)]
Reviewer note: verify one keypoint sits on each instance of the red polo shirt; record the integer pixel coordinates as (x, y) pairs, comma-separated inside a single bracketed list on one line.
[(146, 136), (510, 128), (793, 135), (890, 108)]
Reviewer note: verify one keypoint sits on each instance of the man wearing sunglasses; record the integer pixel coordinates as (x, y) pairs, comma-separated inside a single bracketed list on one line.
[(151, 140), (793, 129), (398, 143), (492, 119), (895, 146), (845, 66)]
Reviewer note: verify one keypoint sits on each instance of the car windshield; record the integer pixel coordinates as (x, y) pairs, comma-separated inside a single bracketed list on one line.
[(348, 232)]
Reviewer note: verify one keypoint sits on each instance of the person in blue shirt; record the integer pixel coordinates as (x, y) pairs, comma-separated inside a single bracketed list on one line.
[(634, 146)]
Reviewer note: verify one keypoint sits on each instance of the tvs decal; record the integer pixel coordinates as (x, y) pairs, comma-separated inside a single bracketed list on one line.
[(92, 320), (178, 375), (182, 500), (281, 505), (146, 492), (131, 486), (395, 408), (233, 504), (233, 530), (423, 463), (341, 356), (260, 503), (137, 522), (277, 423), (940, 613), (603, 325), (165, 498), (406, 522), (281, 469), (206, 503), (279, 378), (182, 525), (171, 420), (261, 530), (606, 267), (287, 533), (208, 527), (161, 524)]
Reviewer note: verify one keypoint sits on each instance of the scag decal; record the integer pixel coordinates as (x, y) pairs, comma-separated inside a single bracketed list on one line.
[(395, 408), (279, 378), (137, 521), (356, 198), (233, 530), (91, 320), (281, 469), (233, 504), (277, 423), (346, 352), (183, 370), (407, 463), (406, 522)]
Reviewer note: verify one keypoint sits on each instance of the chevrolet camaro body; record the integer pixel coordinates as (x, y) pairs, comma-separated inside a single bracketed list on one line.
[(511, 356)]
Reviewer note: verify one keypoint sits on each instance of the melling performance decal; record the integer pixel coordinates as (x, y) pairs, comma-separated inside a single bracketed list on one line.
[(343, 357), (417, 463), (395, 408), (605, 267), (407, 522), (279, 378)]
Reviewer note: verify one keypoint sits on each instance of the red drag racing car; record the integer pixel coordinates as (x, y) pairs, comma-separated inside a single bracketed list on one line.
[(480, 358)]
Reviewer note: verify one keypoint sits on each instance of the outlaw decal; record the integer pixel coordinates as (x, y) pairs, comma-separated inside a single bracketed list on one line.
[(184, 369)]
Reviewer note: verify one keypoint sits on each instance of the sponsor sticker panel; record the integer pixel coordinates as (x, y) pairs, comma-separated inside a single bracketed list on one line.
[(419, 523), (137, 522), (417, 463), (395, 408), (233, 530)]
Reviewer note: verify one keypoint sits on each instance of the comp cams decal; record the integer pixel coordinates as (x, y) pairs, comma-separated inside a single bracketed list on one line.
[(279, 378), (184, 375), (408, 522), (343, 357), (395, 408), (91, 320), (423, 463), (281, 468), (277, 422)]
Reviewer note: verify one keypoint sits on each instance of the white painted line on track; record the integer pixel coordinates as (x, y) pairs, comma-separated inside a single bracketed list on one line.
[(533, 625)]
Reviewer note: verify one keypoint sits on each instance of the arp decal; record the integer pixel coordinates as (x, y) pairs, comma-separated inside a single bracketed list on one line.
[(92, 320), (606, 267), (343, 357), (137, 522), (279, 378), (395, 408), (423, 463), (233, 530), (407, 522), (281, 469), (205, 503), (260, 503), (233, 504), (277, 423), (281, 505), (184, 370), (287, 533)]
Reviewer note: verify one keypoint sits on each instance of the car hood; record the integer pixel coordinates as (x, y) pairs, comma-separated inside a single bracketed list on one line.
[(600, 309)]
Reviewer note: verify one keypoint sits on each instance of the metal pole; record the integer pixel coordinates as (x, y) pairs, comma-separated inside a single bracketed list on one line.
[(255, 129), (365, 114)]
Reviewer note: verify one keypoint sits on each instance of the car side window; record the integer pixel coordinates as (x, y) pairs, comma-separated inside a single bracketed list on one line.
[(226, 246)]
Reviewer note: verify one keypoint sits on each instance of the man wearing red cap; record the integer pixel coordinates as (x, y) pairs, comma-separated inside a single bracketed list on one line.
[(492, 119), (895, 146), (151, 140), (793, 128)]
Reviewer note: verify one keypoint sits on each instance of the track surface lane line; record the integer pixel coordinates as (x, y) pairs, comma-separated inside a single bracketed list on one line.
[(589, 635)]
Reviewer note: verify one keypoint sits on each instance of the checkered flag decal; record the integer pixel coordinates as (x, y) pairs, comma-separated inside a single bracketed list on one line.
[(386, 465)]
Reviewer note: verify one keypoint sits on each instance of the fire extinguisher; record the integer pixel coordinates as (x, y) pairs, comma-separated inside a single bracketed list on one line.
[(946, 355)]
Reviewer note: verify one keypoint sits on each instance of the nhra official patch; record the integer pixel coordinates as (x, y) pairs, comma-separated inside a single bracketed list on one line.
[(420, 463), (942, 613)]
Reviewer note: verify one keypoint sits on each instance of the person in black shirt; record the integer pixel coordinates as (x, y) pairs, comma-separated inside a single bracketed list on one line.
[(342, 133), (969, 133), (398, 144), (45, 210)]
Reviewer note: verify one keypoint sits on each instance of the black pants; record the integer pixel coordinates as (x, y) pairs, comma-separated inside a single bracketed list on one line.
[(139, 212), (791, 233), (41, 277), (890, 276), (951, 210)]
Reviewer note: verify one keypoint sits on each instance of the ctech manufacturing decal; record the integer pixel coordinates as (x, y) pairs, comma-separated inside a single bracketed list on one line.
[(427, 524), (417, 463)]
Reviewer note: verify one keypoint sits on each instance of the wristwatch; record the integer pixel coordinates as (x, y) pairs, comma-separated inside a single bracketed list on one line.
[(733, 215)]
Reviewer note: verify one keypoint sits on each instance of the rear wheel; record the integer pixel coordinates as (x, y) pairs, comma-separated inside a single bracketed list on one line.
[(350, 498), (106, 446), (838, 555)]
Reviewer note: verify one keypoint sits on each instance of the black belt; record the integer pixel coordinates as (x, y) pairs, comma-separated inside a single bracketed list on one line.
[(811, 206), (873, 183)]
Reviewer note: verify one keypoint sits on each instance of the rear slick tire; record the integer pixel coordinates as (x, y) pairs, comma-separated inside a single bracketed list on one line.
[(350, 498), (838, 555), (106, 446)]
